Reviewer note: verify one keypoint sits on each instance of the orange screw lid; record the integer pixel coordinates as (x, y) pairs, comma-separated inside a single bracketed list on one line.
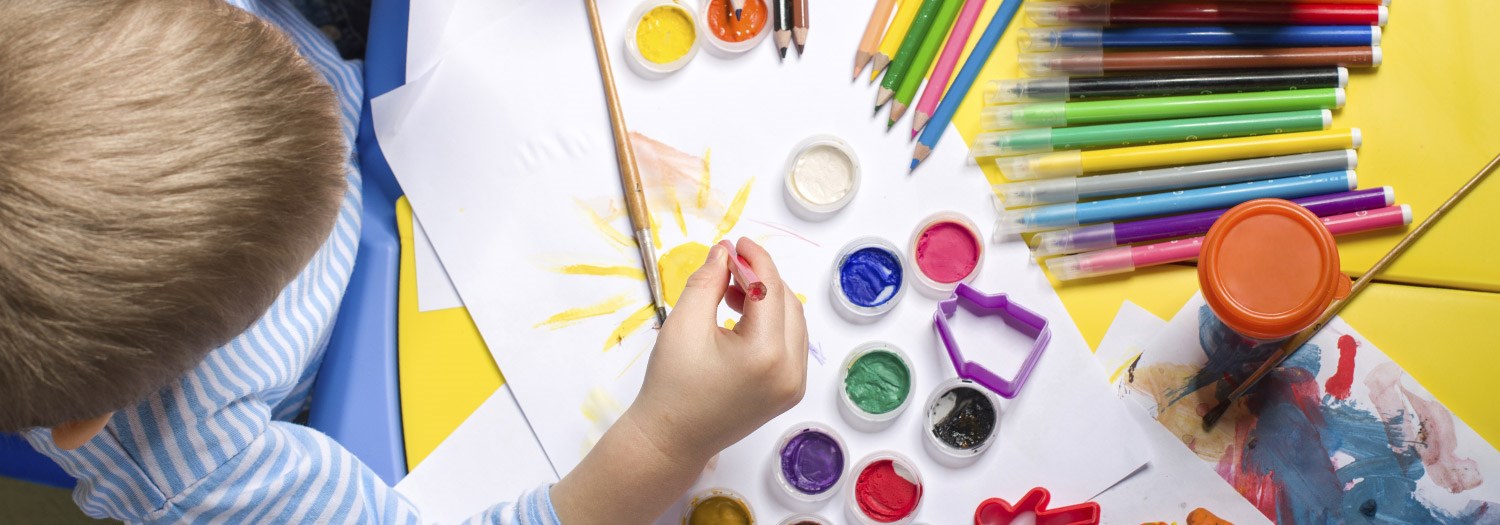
[(1269, 268)]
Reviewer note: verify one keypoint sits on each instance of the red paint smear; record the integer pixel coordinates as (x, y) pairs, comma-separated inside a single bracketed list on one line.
[(947, 252), (884, 495), (1259, 489), (1338, 385)]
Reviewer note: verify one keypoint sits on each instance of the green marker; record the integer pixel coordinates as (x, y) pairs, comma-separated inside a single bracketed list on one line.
[(1052, 114), (1024, 141), (925, 55), (901, 63)]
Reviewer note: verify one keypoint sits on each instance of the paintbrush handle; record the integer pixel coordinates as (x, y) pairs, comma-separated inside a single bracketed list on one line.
[(1411, 237), (630, 177)]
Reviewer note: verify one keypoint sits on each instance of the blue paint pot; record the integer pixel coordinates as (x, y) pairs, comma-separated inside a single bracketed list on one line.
[(869, 278)]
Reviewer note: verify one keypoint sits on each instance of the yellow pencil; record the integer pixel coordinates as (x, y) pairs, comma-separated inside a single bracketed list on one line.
[(894, 34), (1075, 163)]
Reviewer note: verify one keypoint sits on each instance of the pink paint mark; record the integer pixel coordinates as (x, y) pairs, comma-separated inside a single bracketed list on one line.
[(1437, 445), (1259, 489), (1338, 385), (947, 252)]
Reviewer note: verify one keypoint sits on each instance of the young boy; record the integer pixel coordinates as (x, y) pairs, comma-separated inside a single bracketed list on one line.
[(179, 213)]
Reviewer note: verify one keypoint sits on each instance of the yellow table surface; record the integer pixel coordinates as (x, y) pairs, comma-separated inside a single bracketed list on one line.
[(1429, 119)]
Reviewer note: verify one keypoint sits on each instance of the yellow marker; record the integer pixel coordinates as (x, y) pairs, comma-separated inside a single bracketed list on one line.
[(894, 34), (1075, 163)]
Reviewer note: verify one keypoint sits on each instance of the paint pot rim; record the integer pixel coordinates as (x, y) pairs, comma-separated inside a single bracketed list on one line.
[(712, 492), (732, 48), (805, 517), (948, 455), (865, 314), (932, 287), (854, 415), (778, 475), (806, 208), (633, 49), (897, 459)]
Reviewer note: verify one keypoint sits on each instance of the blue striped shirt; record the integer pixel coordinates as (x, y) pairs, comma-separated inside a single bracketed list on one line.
[(216, 446)]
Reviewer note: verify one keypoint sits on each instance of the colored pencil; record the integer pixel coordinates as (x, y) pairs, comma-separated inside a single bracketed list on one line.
[(1049, 114), (1051, 63), (902, 61), (1053, 216), (1049, 38), (894, 35), (965, 80), (739, 8), (1302, 338), (630, 176), (1128, 258), (781, 25), (1163, 84), (943, 72), (1107, 235), (871, 39), (744, 277), (907, 89), (1073, 189), (1034, 140), (1075, 163), (800, 23), (1216, 13)]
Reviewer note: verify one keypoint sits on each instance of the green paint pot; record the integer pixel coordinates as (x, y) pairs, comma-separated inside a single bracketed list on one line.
[(875, 385)]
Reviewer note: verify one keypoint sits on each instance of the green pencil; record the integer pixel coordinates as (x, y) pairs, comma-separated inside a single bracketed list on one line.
[(901, 63), (925, 55)]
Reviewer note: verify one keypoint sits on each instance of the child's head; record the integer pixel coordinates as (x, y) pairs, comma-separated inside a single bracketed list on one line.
[(166, 168)]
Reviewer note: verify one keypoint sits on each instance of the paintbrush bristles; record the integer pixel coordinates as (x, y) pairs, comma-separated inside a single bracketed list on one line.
[(1296, 342)]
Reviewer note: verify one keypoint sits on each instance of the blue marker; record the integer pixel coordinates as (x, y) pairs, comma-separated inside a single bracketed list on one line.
[(1048, 39), (1067, 215)]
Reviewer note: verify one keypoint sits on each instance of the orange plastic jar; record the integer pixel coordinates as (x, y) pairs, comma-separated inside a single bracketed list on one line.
[(1269, 268)]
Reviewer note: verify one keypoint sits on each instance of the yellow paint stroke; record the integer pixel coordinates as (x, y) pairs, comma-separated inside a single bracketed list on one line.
[(736, 208), (638, 354), (1184, 418), (573, 315), (604, 227), (801, 298), (676, 265), (729, 324), (655, 231), (600, 407), (629, 272), (629, 326), (707, 183), (1113, 376)]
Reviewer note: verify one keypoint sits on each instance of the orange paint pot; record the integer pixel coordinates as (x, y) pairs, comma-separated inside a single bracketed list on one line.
[(732, 36), (1269, 268)]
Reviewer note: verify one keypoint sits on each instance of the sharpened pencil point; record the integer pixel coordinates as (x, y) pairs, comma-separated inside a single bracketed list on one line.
[(914, 163), (739, 14), (783, 53)]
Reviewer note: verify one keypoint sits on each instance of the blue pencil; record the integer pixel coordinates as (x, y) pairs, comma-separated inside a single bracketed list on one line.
[(1046, 39), (965, 79)]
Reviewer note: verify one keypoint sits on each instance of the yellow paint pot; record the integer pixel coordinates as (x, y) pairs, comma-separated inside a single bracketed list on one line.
[(662, 37)]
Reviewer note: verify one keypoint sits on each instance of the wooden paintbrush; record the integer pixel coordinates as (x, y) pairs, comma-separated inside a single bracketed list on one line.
[(630, 176), (1296, 342)]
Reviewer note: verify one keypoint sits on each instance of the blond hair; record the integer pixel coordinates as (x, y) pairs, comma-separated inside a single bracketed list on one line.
[(166, 168)]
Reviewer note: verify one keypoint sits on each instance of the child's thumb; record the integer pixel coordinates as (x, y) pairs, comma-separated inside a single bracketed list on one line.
[(706, 287)]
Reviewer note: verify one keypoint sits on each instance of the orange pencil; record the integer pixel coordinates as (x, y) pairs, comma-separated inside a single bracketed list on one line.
[(871, 39)]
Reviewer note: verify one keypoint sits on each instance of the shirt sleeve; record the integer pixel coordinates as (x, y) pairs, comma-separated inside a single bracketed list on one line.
[(294, 474)]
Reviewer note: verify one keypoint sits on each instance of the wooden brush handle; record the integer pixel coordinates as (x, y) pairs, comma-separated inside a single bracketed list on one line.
[(630, 177)]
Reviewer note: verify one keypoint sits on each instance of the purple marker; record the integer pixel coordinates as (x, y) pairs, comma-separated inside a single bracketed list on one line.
[(810, 461), (1111, 234)]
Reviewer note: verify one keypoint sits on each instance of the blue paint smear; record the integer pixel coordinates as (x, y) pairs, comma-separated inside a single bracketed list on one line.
[(870, 276), (1294, 438)]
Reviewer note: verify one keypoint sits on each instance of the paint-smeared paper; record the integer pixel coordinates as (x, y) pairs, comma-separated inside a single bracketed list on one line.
[(1338, 433), (1176, 483), (506, 155)]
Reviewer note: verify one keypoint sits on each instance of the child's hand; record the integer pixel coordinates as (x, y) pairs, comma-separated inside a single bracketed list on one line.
[(707, 387)]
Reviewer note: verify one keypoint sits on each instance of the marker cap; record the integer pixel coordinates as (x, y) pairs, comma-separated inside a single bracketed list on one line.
[(1047, 13), (1050, 38), (1092, 264), (1033, 192), (1013, 142), (1268, 268), (1026, 89), (1054, 63), (1016, 116), (1073, 240), (1042, 165), (1039, 218)]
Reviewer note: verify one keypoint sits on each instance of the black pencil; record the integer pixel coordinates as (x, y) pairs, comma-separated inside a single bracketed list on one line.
[(781, 23)]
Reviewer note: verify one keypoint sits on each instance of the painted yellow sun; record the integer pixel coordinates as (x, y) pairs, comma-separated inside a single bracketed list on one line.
[(679, 186)]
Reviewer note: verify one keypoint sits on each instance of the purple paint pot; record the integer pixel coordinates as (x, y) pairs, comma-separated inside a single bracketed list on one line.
[(809, 463)]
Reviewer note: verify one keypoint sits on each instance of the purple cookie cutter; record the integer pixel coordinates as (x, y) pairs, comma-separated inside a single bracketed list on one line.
[(1015, 315)]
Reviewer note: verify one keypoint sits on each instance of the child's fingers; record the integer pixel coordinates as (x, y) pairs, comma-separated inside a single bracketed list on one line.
[(704, 289), (763, 320), (795, 324), (735, 298)]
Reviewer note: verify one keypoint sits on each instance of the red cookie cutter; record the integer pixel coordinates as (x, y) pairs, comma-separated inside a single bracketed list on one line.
[(996, 511)]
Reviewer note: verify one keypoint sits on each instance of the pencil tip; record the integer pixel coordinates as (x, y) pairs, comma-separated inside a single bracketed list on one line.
[(801, 49), (914, 163), (738, 14), (783, 53)]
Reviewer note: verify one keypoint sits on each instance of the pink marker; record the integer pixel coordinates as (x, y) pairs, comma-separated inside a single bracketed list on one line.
[(744, 277), (1127, 258), (943, 72)]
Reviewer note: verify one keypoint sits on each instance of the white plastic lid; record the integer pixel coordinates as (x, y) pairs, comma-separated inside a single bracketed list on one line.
[(1353, 179), (1357, 139), (1328, 116), (1375, 35), (1343, 76), (1339, 97), (1353, 158), (1384, 16), (1376, 56), (1390, 195), (797, 519), (1406, 214)]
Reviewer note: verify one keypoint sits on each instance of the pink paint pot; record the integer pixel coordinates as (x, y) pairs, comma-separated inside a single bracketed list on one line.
[(946, 249)]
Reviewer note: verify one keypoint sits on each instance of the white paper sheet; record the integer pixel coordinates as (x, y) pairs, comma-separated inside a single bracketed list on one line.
[(505, 154), (434, 290), (1175, 483), (1338, 433), (491, 457), (434, 26)]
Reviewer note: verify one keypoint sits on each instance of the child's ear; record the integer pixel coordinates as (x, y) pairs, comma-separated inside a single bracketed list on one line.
[(73, 434)]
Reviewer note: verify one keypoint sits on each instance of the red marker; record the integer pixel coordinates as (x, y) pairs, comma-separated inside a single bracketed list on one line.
[(743, 275)]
